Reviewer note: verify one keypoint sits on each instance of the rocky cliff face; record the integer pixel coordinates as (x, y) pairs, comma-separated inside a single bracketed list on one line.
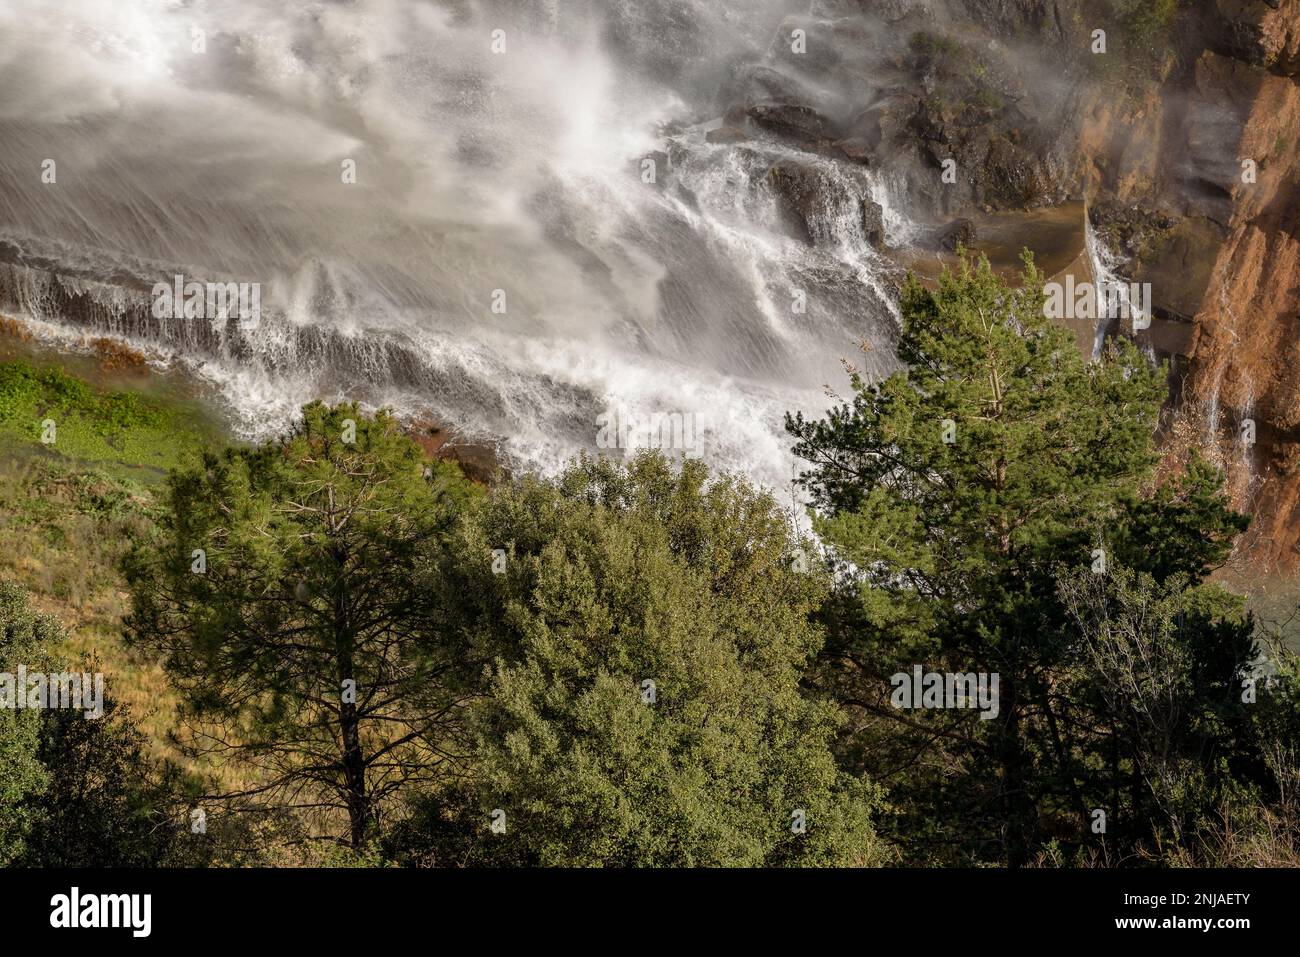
[(1245, 356), (1218, 151), (1182, 138)]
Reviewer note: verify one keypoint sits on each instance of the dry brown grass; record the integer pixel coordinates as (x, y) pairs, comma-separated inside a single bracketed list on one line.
[(1270, 839), (11, 328), (1189, 430), (61, 541), (117, 356)]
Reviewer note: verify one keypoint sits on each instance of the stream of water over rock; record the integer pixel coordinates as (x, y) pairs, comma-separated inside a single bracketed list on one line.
[(541, 228)]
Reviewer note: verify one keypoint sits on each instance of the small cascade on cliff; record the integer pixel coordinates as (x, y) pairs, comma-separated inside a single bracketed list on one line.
[(1107, 279), (900, 230), (1246, 440), (1213, 416), (501, 262), (1212, 427)]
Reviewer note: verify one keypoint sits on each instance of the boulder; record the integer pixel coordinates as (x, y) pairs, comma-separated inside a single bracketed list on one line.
[(950, 236), (726, 134), (798, 188), (793, 121), (735, 116), (873, 223), (856, 150)]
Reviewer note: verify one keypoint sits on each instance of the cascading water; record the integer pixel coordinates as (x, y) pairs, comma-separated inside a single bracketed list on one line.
[(1246, 438), (499, 153), (1106, 268)]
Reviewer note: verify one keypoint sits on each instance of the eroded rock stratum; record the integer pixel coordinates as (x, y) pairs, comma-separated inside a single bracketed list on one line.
[(1176, 124)]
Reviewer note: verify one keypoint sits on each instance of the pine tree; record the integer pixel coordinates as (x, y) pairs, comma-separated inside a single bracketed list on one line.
[(287, 595), (952, 491), (645, 706)]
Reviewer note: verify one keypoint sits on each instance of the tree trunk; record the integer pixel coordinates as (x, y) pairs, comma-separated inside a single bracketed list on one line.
[(354, 775), (1016, 806)]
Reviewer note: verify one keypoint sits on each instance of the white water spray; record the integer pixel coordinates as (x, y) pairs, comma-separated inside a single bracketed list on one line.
[(484, 173)]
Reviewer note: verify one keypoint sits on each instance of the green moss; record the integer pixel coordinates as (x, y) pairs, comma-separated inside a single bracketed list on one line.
[(43, 408), (932, 44), (986, 100), (1149, 22)]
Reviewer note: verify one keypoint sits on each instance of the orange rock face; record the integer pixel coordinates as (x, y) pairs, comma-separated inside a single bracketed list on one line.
[(1218, 145), (1245, 355)]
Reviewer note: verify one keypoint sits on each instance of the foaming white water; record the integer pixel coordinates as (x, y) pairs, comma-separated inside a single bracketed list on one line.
[(1246, 437), (1106, 277), (493, 169)]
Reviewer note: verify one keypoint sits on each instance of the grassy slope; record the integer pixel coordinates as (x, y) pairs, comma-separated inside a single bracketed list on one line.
[(69, 509), (125, 433)]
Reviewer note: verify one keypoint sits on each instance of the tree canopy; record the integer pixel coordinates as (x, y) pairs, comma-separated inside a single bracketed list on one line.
[(285, 593), (954, 494), (645, 708)]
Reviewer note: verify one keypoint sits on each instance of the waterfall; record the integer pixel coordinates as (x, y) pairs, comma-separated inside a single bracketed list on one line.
[(1106, 268), (502, 262), (1246, 441)]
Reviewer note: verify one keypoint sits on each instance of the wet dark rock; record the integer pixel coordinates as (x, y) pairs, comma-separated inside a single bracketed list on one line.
[(867, 126), (873, 223), (809, 197), (726, 134), (662, 167), (856, 150), (1133, 231), (758, 83), (793, 121), (800, 192), (960, 232)]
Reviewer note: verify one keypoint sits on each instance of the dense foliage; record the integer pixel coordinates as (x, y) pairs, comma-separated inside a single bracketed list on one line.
[(644, 706), (964, 495), (75, 792), (373, 660)]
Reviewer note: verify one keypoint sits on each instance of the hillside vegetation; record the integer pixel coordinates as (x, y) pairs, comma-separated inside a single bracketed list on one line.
[(331, 648)]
